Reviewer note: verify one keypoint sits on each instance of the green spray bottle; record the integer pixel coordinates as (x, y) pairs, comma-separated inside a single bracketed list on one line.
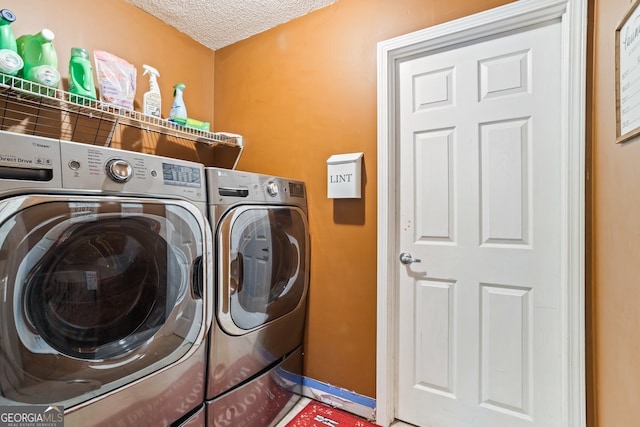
[(10, 62)]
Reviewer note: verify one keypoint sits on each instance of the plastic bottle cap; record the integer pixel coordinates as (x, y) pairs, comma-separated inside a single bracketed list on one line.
[(45, 75), (78, 51), (8, 15), (47, 34), (10, 62)]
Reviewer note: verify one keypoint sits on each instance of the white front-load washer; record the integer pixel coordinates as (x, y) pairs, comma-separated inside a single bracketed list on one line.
[(105, 283)]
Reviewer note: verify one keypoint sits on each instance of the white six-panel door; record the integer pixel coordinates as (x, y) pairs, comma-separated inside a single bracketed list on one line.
[(480, 316)]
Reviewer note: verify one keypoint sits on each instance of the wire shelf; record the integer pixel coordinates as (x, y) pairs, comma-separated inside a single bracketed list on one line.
[(32, 108)]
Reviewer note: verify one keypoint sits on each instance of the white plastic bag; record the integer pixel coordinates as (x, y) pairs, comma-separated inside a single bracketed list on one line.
[(116, 79)]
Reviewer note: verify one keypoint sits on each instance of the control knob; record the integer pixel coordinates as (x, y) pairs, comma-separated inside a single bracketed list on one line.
[(272, 189), (119, 170)]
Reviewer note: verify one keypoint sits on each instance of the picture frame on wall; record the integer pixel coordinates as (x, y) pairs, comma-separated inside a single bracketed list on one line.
[(628, 75)]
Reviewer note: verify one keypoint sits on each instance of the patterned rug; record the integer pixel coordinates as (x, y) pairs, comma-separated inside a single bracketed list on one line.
[(317, 414)]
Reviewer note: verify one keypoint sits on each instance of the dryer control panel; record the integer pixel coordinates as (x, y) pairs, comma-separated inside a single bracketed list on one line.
[(228, 187)]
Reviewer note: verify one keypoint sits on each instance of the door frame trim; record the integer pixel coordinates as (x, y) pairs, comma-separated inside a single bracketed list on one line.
[(573, 16)]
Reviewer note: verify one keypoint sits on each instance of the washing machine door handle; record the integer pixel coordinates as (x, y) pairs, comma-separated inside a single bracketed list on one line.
[(197, 277), (237, 274), (293, 277)]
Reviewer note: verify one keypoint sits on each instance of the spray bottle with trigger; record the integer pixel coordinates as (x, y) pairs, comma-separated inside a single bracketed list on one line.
[(178, 111), (151, 101)]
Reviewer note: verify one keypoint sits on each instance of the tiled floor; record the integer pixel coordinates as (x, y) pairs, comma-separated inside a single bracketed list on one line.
[(304, 401)]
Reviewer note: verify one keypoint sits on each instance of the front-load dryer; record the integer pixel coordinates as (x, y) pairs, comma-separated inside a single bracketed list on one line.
[(105, 283), (261, 241)]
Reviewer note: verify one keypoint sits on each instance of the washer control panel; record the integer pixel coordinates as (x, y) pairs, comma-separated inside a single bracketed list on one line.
[(119, 171)]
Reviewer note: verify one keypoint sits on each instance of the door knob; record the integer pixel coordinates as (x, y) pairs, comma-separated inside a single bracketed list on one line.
[(406, 258)]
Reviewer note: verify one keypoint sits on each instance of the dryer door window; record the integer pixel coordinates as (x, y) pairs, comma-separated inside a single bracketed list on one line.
[(265, 261), (98, 292)]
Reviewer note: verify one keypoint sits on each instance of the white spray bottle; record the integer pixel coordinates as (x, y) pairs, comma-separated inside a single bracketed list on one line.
[(178, 111), (151, 100)]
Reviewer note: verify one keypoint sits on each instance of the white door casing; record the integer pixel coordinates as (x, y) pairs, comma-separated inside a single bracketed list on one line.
[(502, 294)]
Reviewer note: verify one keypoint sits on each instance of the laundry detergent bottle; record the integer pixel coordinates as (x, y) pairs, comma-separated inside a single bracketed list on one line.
[(81, 76), (10, 62), (178, 111), (40, 58)]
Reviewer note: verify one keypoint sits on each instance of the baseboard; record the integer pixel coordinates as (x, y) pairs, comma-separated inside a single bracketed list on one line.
[(340, 398)]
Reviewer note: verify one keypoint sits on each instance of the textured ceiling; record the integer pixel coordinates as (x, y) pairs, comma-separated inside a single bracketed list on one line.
[(219, 23)]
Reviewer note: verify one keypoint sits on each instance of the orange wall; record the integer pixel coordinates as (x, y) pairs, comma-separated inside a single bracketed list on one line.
[(616, 238), (128, 32), (298, 94), (306, 90)]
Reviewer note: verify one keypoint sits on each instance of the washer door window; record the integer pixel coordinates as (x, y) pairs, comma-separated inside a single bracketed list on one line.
[(263, 265), (101, 289), (97, 294)]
